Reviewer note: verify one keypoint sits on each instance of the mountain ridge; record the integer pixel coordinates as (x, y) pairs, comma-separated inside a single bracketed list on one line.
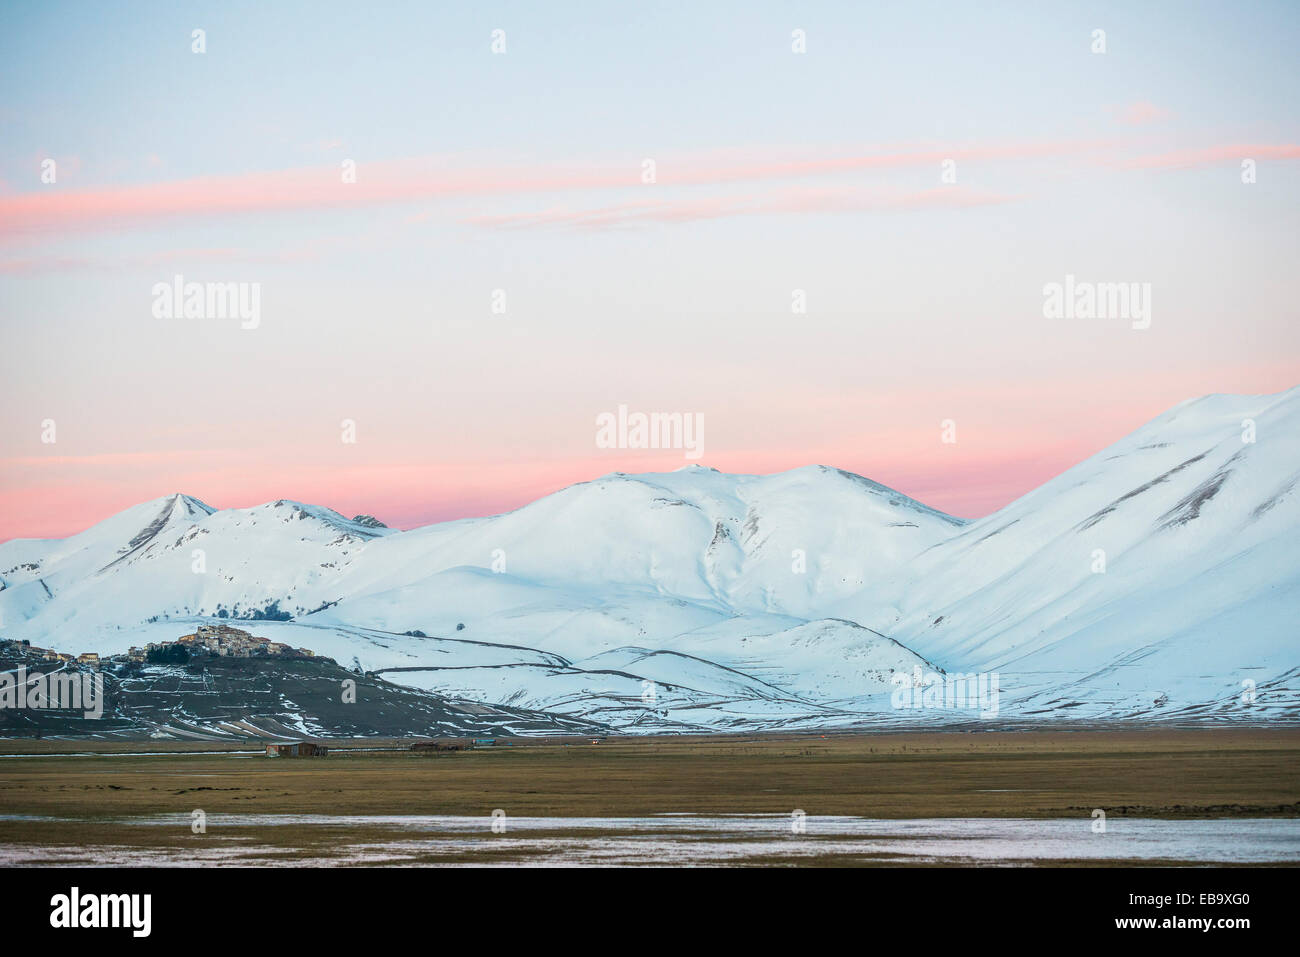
[(819, 582)]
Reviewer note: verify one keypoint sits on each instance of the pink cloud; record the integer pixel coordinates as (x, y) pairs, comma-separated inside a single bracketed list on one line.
[(1209, 156), (784, 201), (52, 210)]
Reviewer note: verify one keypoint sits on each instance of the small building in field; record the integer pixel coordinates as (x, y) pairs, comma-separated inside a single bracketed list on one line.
[(296, 749)]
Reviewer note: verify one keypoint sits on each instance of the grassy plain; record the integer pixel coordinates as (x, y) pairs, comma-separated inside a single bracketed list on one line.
[(75, 794)]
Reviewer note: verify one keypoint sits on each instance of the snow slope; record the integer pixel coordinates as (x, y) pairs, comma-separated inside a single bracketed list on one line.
[(1200, 587)]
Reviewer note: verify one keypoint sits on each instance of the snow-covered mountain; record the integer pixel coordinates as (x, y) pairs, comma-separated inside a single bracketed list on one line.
[(176, 556), (1159, 575), (1158, 578)]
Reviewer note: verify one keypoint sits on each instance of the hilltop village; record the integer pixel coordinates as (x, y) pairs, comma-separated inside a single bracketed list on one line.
[(206, 641), (222, 641)]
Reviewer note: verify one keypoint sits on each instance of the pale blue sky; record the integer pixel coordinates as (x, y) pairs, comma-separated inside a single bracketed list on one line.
[(924, 298)]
